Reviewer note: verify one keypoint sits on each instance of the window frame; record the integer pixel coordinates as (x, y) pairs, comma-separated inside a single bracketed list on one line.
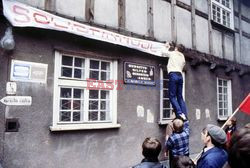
[(229, 9), (163, 121), (60, 81), (229, 98)]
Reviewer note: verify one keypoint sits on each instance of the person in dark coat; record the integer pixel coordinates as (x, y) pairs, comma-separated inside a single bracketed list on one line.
[(213, 155), (151, 149), (230, 129)]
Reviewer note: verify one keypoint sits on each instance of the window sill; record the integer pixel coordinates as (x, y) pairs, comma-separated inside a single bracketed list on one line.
[(165, 122), (222, 27), (221, 119), (83, 127)]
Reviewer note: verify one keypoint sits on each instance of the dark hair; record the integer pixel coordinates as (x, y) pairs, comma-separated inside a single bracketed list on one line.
[(151, 148), (233, 120), (215, 143), (247, 125), (183, 162), (180, 47), (178, 128), (239, 149)]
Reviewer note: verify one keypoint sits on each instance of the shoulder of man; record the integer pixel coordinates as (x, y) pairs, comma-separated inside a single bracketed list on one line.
[(149, 165)]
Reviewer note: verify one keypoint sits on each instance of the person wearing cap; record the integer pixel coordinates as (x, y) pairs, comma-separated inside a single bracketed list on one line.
[(176, 63), (213, 155)]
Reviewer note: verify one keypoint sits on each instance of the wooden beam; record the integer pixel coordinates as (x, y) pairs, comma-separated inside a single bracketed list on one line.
[(223, 43), (50, 5), (210, 33), (122, 13), (193, 28), (173, 21), (240, 30), (150, 20), (89, 10)]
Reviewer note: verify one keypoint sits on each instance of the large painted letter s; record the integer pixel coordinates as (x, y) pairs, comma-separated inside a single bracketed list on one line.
[(21, 14)]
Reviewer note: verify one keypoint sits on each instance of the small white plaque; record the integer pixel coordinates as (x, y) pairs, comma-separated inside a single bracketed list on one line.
[(11, 88)]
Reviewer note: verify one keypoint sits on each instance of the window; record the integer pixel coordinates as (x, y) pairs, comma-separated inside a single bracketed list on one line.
[(166, 111), (224, 98), (222, 12), (78, 106)]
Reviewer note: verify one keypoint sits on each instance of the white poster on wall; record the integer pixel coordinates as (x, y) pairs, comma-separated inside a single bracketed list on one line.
[(28, 71)]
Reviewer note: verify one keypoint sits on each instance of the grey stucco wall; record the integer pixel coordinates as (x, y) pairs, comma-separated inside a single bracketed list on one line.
[(136, 11), (202, 34), (162, 20), (245, 47), (217, 43), (75, 9), (35, 146), (3, 76), (183, 18), (104, 10), (202, 5)]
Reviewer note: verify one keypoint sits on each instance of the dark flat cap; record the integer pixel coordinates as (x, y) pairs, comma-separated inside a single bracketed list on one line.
[(217, 133)]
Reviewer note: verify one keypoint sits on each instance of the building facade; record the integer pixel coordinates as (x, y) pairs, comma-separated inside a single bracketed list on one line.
[(73, 101)]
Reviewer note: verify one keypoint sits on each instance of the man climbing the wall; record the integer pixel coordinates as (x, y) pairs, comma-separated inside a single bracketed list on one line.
[(175, 67)]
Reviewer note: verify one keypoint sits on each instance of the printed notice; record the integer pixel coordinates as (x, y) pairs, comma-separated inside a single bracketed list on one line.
[(17, 100)]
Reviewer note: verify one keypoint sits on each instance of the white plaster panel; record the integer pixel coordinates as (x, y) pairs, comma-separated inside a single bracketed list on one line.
[(245, 10), (245, 26), (229, 47), (217, 43), (188, 2), (237, 47), (136, 16), (236, 22), (162, 20), (184, 35), (245, 48), (76, 8), (202, 5), (236, 6), (106, 13), (34, 3), (202, 39)]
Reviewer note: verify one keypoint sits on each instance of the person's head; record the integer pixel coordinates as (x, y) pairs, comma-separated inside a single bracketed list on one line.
[(180, 48), (247, 125), (178, 124), (151, 148), (213, 135), (183, 162), (232, 122), (239, 149)]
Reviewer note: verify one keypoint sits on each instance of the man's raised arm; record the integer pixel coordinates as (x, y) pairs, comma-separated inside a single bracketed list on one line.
[(165, 50)]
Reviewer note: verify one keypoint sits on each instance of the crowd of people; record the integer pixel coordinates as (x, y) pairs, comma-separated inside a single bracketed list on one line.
[(218, 151), (229, 148)]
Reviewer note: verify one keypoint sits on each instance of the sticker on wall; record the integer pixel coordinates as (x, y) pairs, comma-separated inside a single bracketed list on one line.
[(207, 112), (198, 114), (150, 116), (28, 71), (140, 111)]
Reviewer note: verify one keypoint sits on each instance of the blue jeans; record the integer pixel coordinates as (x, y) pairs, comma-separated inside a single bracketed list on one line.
[(175, 93)]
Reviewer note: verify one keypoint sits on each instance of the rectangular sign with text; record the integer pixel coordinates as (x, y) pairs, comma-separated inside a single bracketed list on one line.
[(28, 71), (139, 74)]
